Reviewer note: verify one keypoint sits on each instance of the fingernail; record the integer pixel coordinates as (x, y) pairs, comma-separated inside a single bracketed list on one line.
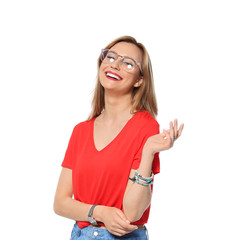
[(127, 221)]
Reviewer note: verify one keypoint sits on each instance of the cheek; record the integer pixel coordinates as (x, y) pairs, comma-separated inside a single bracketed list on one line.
[(103, 68), (101, 71), (132, 78), (100, 68)]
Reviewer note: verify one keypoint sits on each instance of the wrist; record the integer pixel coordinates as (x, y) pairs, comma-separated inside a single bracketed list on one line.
[(147, 155), (149, 151), (98, 213), (146, 165)]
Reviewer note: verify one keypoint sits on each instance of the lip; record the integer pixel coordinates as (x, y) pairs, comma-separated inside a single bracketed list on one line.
[(113, 74)]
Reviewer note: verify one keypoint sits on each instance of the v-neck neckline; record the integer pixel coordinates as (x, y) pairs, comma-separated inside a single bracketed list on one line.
[(114, 139)]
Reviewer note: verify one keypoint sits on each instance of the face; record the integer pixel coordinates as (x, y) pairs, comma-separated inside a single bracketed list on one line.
[(113, 77)]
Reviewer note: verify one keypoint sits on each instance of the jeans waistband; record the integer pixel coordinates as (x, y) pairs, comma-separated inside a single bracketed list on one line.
[(103, 234), (141, 226)]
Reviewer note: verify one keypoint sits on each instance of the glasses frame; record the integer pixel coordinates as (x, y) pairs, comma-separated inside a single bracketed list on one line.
[(122, 59)]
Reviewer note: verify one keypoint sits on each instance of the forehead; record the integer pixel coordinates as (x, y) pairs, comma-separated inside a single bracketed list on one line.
[(128, 49)]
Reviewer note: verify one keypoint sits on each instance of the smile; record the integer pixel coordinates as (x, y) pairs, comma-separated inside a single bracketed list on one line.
[(113, 76)]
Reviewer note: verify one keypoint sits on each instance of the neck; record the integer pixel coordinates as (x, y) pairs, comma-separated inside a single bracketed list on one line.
[(117, 107)]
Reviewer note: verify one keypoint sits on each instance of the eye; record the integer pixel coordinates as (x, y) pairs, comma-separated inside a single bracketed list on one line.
[(111, 58), (129, 65)]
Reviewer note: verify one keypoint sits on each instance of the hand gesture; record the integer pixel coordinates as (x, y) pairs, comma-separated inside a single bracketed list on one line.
[(116, 222), (164, 140)]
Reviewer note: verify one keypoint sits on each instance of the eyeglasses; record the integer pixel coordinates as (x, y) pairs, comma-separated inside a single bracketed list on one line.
[(128, 64)]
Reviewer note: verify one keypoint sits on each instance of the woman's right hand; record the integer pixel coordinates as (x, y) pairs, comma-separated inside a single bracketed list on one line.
[(115, 220)]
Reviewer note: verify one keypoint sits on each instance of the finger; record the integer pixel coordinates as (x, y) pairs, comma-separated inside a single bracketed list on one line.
[(124, 222), (180, 129), (171, 130), (163, 135), (122, 216), (168, 138), (175, 127), (119, 232), (126, 226), (125, 229)]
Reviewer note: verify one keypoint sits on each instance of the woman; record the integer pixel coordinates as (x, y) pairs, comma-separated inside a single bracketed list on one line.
[(112, 157)]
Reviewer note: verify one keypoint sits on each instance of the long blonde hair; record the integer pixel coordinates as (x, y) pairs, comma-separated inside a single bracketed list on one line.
[(143, 97)]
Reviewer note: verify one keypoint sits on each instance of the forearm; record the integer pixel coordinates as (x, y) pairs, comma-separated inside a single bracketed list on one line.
[(76, 210), (138, 197), (73, 209)]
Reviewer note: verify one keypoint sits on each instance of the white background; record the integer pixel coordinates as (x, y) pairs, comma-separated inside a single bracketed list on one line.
[(48, 62)]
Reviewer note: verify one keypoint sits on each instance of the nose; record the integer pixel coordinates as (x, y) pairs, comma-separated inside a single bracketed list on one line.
[(116, 63)]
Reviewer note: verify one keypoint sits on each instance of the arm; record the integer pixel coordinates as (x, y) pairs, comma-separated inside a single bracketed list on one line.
[(137, 198), (64, 205)]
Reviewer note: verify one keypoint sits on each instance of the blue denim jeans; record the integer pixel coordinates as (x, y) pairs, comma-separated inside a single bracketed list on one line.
[(95, 233)]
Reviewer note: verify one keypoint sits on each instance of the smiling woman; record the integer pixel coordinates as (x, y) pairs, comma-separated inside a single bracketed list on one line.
[(143, 97), (112, 157)]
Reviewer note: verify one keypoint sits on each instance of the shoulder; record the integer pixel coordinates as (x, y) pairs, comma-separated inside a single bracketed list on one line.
[(146, 120), (82, 127), (146, 125)]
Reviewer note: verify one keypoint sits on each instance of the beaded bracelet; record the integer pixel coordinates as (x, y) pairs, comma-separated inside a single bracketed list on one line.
[(134, 179), (147, 181)]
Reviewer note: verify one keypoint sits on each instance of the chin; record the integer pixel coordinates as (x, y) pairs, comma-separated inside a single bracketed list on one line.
[(107, 83)]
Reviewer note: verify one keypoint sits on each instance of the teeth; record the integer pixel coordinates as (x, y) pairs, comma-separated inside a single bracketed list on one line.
[(113, 76)]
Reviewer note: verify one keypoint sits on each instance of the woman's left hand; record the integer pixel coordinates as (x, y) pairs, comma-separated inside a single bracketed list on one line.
[(164, 140)]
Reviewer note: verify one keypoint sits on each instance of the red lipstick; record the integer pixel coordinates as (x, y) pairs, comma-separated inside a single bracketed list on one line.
[(113, 76)]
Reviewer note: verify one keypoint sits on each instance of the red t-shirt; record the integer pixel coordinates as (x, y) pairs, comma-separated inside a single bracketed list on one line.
[(101, 177)]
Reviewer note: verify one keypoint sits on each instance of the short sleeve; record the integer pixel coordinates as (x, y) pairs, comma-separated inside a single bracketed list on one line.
[(71, 150), (152, 128)]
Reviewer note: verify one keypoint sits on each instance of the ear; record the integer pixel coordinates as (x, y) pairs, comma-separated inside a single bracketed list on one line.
[(139, 82)]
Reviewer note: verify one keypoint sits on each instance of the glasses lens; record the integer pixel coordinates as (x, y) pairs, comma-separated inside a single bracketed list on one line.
[(104, 54), (108, 56), (128, 64)]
